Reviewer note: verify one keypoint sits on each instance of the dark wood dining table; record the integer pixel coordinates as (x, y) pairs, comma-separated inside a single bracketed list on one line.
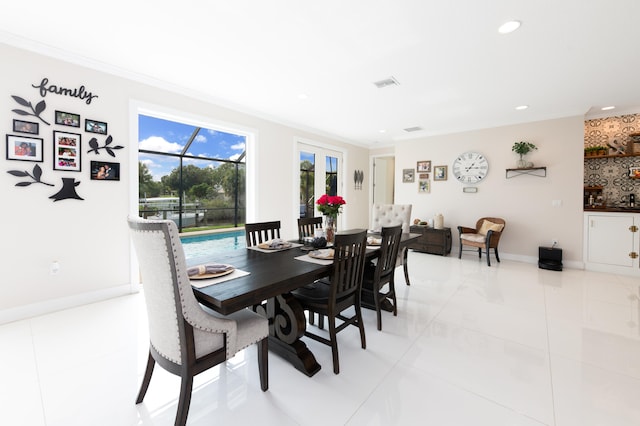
[(266, 289)]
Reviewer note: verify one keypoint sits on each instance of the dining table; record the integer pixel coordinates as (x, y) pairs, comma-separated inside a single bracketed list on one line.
[(265, 285)]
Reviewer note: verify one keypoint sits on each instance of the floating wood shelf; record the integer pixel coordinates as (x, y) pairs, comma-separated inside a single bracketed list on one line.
[(535, 171)]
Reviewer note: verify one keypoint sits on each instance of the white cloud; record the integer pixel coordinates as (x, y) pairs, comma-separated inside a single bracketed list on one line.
[(200, 139), (240, 145), (160, 144)]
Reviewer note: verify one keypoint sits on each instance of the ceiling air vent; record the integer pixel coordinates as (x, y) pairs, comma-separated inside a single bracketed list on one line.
[(413, 129), (391, 81)]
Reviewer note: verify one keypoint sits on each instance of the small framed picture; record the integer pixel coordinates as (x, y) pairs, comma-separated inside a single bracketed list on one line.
[(67, 119), (66, 151), (101, 170), (439, 172), (408, 175), (24, 148), (26, 127), (94, 126), (634, 172), (424, 167), (423, 183)]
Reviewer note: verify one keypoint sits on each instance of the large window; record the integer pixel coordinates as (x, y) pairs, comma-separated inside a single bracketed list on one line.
[(191, 174)]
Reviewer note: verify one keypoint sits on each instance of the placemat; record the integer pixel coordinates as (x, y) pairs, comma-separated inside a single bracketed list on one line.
[(211, 281), (256, 248), (306, 258)]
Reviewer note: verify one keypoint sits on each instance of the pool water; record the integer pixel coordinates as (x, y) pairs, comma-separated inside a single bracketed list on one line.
[(212, 244)]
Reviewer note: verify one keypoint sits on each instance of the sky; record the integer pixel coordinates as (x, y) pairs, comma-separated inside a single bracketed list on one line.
[(170, 137)]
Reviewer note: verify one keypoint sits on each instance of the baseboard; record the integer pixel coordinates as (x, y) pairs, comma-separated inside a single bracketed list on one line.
[(48, 306)]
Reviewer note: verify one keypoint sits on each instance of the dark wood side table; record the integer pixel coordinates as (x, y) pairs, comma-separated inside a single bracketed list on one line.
[(434, 241)]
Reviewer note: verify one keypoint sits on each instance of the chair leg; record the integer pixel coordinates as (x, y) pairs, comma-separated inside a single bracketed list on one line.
[(312, 317), (263, 363), (495, 250), (392, 292), (185, 398), (334, 343), (405, 265), (376, 299), (479, 253), (488, 258), (363, 339), (321, 321), (147, 378), (460, 253)]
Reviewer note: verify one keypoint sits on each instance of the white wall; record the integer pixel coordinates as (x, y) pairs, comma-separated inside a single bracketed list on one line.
[(525, 202), (89, 238)]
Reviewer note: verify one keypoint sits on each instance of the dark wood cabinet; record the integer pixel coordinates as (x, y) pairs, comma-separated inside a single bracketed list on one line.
[(434, 241)]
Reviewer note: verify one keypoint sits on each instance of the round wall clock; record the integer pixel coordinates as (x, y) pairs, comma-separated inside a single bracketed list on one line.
[(470, 167)]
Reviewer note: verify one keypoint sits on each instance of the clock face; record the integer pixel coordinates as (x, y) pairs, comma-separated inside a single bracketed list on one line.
[(470, 167)]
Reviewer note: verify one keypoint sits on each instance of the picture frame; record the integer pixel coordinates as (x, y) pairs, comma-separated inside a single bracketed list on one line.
[(423, 166), (424, 187), (408, 175), (67, 151), (634, 172), (102, 170), (24, 148), (440, 172), (28, 127), (67, 119), (94, 126)]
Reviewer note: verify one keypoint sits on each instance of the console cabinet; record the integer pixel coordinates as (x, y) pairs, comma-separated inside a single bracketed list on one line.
[(434, 241)]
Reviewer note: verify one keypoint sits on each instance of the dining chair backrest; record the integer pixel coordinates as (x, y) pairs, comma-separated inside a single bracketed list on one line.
[(261, 232), (390, 215), (308, 225), (348, 264), (386, 263)]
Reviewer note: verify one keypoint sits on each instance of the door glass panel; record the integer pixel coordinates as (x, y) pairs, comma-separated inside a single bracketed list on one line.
[(331, 176), (307, 184)]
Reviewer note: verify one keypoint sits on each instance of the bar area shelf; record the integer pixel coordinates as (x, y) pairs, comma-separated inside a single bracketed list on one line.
[(535, 171)]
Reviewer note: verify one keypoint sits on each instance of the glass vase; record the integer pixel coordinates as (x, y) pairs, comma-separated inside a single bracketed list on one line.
[(330, 227)]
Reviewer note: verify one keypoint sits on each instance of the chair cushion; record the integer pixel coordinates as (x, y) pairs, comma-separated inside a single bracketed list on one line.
[(476, 238), (315, 292), (489, 226)]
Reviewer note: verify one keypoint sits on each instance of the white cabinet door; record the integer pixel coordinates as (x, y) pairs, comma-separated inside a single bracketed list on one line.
[(609, 239)]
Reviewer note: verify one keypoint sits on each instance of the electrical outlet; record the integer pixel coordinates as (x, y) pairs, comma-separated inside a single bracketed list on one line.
[(55, 268), (554, 242)]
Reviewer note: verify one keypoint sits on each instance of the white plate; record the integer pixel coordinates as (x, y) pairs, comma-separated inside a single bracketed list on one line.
[(326, 254), (216, 275)]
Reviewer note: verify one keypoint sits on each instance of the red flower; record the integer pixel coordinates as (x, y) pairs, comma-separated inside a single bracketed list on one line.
[(330, 204)]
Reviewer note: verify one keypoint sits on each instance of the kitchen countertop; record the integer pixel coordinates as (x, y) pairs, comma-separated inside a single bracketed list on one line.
[(612, 209)]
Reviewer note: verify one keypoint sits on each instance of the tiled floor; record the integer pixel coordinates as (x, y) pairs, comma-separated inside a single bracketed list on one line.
[(472, 345)]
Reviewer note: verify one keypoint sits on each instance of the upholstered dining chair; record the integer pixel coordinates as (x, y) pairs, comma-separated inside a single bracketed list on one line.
[(485, 235), (342, 291), (308, 225), (186, 338), (381, 273), (261, 232), (390, 215)]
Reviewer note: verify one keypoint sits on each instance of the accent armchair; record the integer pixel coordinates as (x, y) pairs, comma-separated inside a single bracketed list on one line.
[(485, 235)]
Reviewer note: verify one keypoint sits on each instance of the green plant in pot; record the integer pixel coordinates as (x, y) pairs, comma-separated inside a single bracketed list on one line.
[(522, 148)]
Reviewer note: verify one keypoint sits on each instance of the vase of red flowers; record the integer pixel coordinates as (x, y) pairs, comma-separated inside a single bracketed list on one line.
[(330, 206)]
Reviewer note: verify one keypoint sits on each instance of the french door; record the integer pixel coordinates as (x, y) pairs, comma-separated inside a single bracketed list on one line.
[(321, 171)]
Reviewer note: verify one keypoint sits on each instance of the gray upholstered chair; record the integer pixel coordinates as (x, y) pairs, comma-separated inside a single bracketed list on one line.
[(186, 338), (386, 215)]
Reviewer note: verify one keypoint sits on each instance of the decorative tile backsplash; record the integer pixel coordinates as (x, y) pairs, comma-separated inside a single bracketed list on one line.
[(612, 173)]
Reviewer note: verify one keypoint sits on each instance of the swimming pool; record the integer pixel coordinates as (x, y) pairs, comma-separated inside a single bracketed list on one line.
[(206, 245)]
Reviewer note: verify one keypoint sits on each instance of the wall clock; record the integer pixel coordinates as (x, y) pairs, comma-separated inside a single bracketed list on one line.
[(470, 167)]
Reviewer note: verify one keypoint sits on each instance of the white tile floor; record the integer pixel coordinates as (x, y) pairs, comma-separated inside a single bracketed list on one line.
[(472, 345)]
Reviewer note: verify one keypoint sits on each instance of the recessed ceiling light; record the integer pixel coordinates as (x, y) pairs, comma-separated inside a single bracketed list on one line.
[(509, 27), (522, 107), (382, 131), (607, 108), (303, 96), (391, 81)]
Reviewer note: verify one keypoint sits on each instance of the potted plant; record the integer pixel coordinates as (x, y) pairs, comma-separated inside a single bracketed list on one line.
[(522, 148)]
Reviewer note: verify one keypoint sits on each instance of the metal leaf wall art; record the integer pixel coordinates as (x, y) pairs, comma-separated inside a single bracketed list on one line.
[(93, 143), (35, 110)]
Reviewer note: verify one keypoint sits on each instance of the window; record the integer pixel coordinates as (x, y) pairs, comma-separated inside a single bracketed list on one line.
[(191, 174), (320, 173)]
